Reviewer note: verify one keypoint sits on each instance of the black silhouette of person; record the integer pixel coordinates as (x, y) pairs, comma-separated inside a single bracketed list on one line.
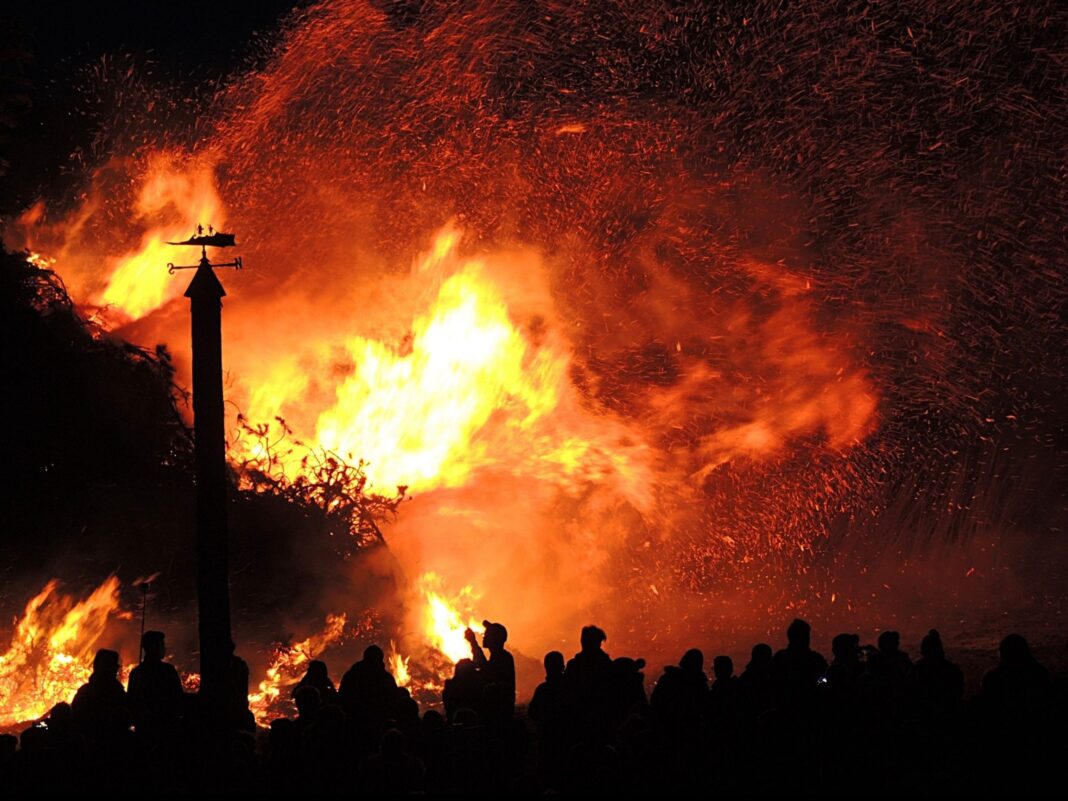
[(681, 691), (101, 704), (463, 690), (935, 685), (755, 684), (496, 671), (547, 706), (588, 678), (367, 689), (155, 689), (796, 668), (890, 662), (1019, 686), (318, 676), (628, 687), (724, 693), (240, 716), (308, 703)]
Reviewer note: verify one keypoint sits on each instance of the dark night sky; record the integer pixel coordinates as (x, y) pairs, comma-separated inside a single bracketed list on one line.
[(46, 46)]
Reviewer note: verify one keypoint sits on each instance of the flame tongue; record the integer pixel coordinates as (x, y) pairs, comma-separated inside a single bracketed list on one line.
[(442, 620), (417, 414), (52, 650), (287, 666), (445, 626), (399, 666)]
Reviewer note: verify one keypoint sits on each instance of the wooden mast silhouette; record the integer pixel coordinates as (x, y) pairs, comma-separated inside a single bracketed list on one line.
[(205, 295)]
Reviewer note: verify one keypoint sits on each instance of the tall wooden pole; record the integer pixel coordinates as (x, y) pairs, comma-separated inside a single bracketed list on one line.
[(205, 293)]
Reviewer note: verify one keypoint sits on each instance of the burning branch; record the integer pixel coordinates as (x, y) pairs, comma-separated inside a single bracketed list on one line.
[(325, 482), (51, 649)]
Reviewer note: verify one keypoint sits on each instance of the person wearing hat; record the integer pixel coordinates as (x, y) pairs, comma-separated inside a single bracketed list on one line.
[(497, 671)]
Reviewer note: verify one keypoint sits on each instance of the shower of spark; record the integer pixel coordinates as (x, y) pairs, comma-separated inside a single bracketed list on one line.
[(697, 290)]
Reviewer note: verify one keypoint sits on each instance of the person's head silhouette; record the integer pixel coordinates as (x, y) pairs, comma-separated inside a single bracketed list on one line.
[(494, 636), (845, 647), (374, 655), (106, 664), (1014, 650), (760, 656), (154, 645), (693, 661), (722, 668), (591, 638), (554, 664), (799, 634), (931, 646), (889, 642), (308, 700)]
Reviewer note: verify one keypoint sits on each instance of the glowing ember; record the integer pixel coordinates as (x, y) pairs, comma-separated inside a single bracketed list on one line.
[(191, 682), (52, 649), (288, 663)]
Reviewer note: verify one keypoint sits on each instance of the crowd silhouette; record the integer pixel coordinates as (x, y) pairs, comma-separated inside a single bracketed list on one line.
[(870, 721)]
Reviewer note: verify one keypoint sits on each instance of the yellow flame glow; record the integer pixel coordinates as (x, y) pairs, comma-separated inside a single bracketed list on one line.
[(444, 621), (52, 650), (286, 667), (398, 666), (172, 202)]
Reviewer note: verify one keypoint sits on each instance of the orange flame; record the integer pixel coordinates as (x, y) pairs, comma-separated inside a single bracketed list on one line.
[(444, 623), (179, 200), (175, 195), (466, 390), (52, 650), (398, 666), (471, 373), (286, 666)]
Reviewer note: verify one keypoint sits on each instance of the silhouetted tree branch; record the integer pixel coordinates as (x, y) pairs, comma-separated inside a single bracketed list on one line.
[(319, 480)]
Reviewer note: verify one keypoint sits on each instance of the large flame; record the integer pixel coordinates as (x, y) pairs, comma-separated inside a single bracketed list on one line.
[(119, 278), (169, 200), (52, 649), (440, 621), (604, 353), (446, 619), (466, 389), (480, 381)]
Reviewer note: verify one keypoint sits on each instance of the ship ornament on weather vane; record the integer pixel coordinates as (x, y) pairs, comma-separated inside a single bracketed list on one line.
[(212, 239)]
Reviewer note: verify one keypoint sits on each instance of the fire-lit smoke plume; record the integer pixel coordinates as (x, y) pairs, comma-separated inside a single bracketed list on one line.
[(126, 281), (637, 302)]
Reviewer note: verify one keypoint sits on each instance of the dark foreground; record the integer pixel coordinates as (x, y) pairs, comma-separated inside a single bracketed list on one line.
[(871, 721)]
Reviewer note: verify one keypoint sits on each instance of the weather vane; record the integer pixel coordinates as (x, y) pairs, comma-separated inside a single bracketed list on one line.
[(212, 239)]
